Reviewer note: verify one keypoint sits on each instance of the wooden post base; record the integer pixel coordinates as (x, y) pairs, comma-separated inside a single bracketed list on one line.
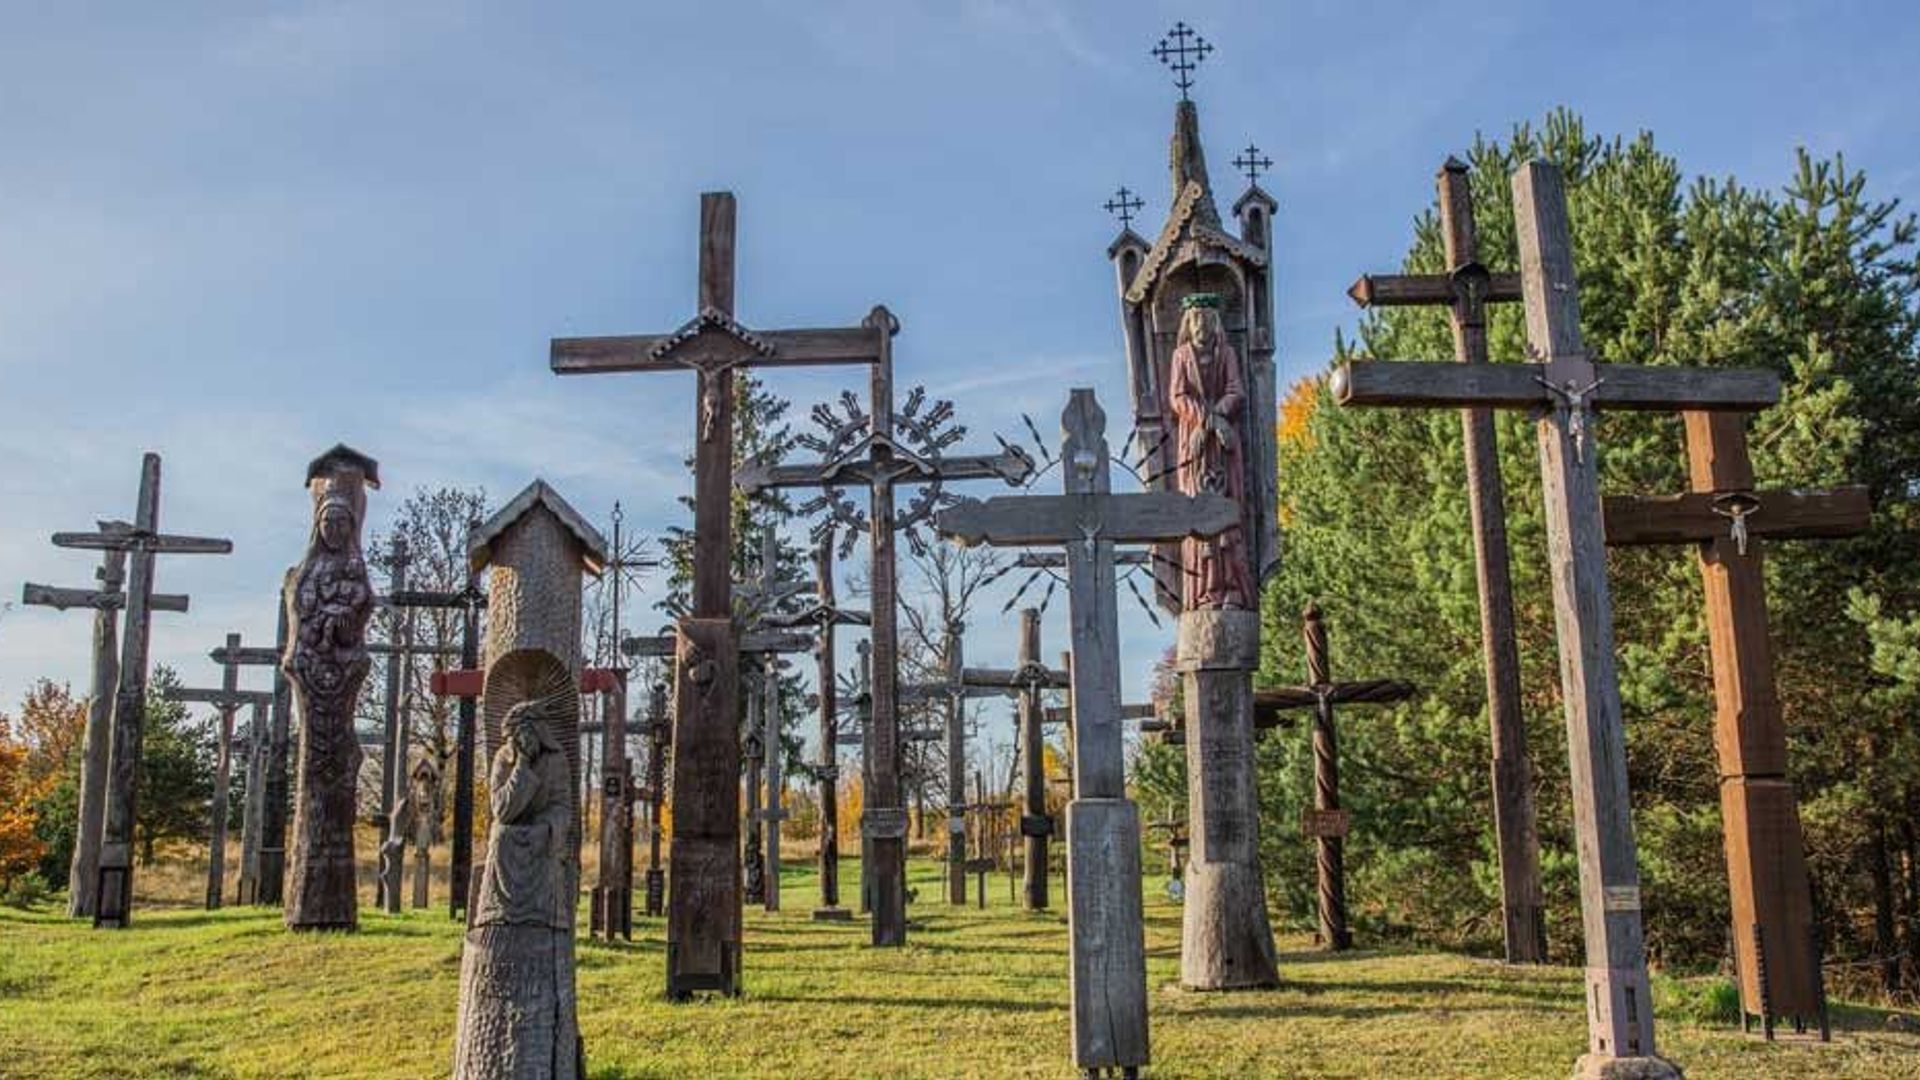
[(1106, 934), (832, 914), (1226, 942), (1772, 903), (656, 893)]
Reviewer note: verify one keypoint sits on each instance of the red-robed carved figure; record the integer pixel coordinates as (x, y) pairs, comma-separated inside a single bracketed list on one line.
[(1208, 396)]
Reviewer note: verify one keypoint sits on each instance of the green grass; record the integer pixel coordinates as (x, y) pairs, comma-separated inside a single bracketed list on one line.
[(188, 993)]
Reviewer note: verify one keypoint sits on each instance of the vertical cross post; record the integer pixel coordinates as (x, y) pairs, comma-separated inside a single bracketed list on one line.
[(956, 715), (393, 756)]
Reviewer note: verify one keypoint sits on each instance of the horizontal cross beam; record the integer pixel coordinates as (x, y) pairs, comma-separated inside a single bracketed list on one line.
[(135, 541), (385, 648), (862, 470), (1704, 515), (1399, 290), (1035, 520), (1418, 384), (753, 641), (61, 599), (423, 598), (1370, 692), (642, 352), (226, 699), (1054, 560), (1147, 714), (246, 656)]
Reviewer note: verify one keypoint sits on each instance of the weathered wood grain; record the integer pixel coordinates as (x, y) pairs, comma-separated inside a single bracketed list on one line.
[(1622, 386)]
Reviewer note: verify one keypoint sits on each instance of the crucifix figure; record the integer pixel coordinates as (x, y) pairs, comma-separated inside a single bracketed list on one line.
[(465, 685), (1465, 290), (106, 603), (824, 614), (883, 450), (227, 698), (1107, 939), (703, 921), (1327, 823), (1775, 945), (113, 884), (1565, 387)]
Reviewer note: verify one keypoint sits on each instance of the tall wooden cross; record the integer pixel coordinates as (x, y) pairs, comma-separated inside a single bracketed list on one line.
[(106, 603), (883, 449), (824, 614), (659, 739), (227, 698), (1568, 385), (613, 894), (142, 542), (393, 756), (1776, 953), (265, 886), (1327, 823), (1465, 290), (253, 801), (464, 685), (703, 925), (1107, 942)]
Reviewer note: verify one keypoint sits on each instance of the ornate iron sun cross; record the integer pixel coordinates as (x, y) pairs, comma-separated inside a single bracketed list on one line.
[(1184, 54), (1252, 163), (1124, 205)]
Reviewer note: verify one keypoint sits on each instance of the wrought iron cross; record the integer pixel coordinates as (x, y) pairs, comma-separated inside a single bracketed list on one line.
[(1188, 48), (1124, 205), (1252, 163)]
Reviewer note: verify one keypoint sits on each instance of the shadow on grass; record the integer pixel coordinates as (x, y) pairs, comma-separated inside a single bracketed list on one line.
[(912, 1002)]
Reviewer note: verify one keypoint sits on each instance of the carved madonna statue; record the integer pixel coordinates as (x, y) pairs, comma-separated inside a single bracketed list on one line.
[(1208, 396), (517, 1017)]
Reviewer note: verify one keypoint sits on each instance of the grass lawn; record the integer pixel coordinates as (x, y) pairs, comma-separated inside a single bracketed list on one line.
[(187, 993)]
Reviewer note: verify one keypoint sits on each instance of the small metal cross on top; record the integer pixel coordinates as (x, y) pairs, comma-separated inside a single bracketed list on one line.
[(1252, 163), (1124, 205), (1185, 44)]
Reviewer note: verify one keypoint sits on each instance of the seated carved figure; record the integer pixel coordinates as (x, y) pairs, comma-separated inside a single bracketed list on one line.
[(517, 1018)]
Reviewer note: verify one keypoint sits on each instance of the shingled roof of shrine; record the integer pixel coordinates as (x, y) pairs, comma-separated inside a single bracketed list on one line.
[(539, 493)]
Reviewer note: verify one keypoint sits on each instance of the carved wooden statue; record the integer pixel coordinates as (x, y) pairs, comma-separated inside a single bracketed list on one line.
[(517, 1017), (326, 661), (1208, 397)]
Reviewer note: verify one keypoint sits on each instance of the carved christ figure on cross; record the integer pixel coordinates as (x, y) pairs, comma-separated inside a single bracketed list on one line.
[(1208, 396)]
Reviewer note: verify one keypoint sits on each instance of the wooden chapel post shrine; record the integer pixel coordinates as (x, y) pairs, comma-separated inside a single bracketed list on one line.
[(1465, 290), (1106, 934), (1327, 822), (1196, 307), (227, 698), (113, 879), (106, 602), (703, 920), (884, 449), (517, 1015), (1775, 942), (1568, 386)]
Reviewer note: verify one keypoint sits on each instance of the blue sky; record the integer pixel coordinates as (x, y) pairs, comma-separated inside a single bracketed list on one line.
[(237, 234)]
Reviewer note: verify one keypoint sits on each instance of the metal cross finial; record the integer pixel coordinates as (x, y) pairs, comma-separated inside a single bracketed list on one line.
[(1252, 163), (1123, 205), (1185, 43)]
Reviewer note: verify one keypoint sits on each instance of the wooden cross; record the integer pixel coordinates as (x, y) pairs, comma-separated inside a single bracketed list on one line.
[(1568, 385), (253, 801), (1465, 290), (393, 757), (1776, 951), (227, 698), (1327, 823), (703, 945), (1253, 163), (1185, 54), (1124, 205), (142, 542), (659, 738), (611, 909), (883, 450), (824, 614), (1109, 992), (106, 602), (264, 886), (465, 686)]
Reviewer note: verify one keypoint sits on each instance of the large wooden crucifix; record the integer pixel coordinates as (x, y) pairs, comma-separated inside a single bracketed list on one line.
[(1465, 290), (470, 602), (1776, 953), (106, 603), (262, 882), (113, 904), (824, 614), (1568, 386), (1327, 822), (883, 449), (703, 923), (227, 698), (1107, 939)]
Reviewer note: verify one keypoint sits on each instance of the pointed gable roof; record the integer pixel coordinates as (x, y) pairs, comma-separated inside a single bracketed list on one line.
[(343, 458), (539, 493), (1193, 225)]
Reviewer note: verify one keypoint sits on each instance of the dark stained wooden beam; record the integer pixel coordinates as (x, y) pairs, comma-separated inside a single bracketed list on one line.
[(1698, 516), (1415, 384)]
